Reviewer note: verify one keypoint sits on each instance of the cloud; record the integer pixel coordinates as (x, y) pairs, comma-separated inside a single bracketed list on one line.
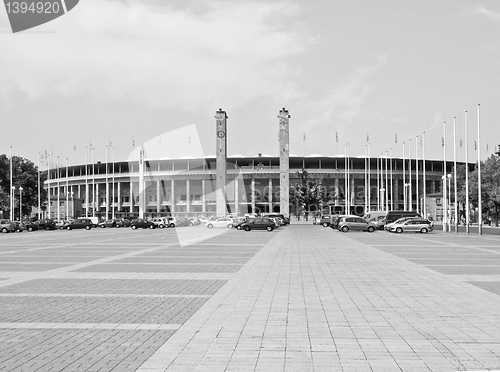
[(183, 56), (340, 107), (495, 16)]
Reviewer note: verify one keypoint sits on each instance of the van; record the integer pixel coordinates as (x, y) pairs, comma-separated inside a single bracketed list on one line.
[(373, 215), (392, 216)]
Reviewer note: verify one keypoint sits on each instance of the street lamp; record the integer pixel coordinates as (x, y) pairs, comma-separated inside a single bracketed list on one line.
[(12, 206)]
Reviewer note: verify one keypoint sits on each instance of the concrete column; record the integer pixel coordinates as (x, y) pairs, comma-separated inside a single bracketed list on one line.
[(337, 190), (203, 196), (119, 196), (236, 196), (284, 151), (158, 199), (188, 196), (131, 197), (270, 195), (253, 194), (141, 185), (221, 159), (172, 197)]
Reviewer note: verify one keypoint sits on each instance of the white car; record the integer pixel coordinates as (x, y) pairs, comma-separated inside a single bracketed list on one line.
[(221, 222)]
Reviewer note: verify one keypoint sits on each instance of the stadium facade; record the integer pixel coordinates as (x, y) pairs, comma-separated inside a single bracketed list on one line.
[(222, 184)]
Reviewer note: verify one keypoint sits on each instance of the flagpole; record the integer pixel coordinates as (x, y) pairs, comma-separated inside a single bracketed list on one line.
[(410, 195), (416, 174), (39, 196), (404, 178), (348, 178), (11, 188), (369, 180), (366, 184), (378, 183), (107, 183), (345, 181), (445, 217), (467, 208), (93, 181), (386, 185), (423, 174), (479, 197), (113, 183), (86, 185), (455, 171), (67, 190), (391, 188)]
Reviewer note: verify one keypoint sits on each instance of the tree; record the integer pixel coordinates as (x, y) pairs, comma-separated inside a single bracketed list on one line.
[(25, 174), (308, 194)]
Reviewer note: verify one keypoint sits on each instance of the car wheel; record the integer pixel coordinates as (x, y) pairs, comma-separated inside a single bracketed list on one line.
[(5, 231), (87, 227), (370, 229), (325, 224), (68, 228), (151, 227), (47, 228), (102, 226), (30, 228), (134, 227), (269, 228), (247, 228), (424, 230), (172, 225), (344, 229), (161, 226), (210, 226), (238, 227), (399, 230), (230, 226)]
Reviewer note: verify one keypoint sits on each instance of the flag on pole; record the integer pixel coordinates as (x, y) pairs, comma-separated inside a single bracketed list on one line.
[(304, 136), (475, 145), (336, 137), (367, 138), (133, 141), (442, 141), (420, 140), (486, 148), (189, 137), (74, 146), (460, 143), (396, 138)]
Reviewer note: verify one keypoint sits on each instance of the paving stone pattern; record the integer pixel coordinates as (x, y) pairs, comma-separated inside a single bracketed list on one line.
[(107, 299)]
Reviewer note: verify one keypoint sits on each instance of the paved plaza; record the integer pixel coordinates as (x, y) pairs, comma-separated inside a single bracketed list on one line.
[(302, 298)]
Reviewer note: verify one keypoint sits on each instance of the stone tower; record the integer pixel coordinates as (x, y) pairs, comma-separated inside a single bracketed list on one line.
[(284, 140), (221, 174)]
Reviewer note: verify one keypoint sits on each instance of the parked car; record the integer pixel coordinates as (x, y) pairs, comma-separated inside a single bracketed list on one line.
[(18, 226), (372, 216), (258, 224), (110, 223), (379, 222), (221, 222), (46, 224), (355, 223), (286, 220), (141, 222), (159, 222), (334, 223), (183, 221), (392, 216), (324, 221), (6, 226), (79, 223), (30, 226), (388, 226), (125, 222), (420, 225), (60, 223)]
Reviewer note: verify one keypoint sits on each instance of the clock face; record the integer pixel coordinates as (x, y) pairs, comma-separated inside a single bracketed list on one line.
[(220, 134)]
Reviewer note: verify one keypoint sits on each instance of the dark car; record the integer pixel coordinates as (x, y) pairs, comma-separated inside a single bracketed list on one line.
[(324, 221), (79, 223), (141, 222), (18, 226), (46, 224), (111, 223), (30, 226), (334, 223), (286, 220), (125, 222), (258, 224)]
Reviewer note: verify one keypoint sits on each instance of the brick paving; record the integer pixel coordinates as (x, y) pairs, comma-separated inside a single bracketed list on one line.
[(302, 298)]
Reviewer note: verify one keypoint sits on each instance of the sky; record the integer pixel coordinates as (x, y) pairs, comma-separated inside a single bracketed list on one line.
[(127, 72)]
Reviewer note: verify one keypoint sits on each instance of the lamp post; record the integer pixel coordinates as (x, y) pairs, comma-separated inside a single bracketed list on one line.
[(406, 188), (12, 205)]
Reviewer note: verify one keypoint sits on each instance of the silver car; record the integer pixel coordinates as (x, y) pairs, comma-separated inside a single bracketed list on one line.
[(355, 223), (413, 225)]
